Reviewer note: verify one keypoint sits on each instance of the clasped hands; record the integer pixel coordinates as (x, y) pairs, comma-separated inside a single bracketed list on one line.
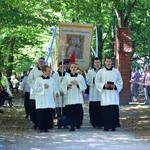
[(74, 82), (112, 86), (47, 86)]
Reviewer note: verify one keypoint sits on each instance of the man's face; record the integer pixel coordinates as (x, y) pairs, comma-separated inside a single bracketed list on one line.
[(41, 63), (61, 68), (108, 63), (47, 72), (97, 64), (73, 68), (67, 66)]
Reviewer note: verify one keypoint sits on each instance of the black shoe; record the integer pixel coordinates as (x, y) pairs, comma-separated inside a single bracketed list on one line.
[(78, 127), (1, 111), (105, 129), (100, 127), (46, 130), (94, 126), (65, 127), (59, 127), (39, 131), (113, 129), (72, 129), (26, 117), (35, 126), (50, 127)]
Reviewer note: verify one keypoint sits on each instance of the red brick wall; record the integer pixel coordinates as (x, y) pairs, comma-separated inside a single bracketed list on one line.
[(123, 57), (125, 63)]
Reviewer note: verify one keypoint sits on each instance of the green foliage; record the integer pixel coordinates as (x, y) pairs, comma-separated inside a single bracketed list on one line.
[(25, 26)]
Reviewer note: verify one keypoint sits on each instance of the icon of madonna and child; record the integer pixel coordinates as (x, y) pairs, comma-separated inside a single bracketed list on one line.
[(74, 43)]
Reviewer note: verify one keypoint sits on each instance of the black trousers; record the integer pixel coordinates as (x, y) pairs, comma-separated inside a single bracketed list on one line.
[(95, 114), (27, 103), (33, 112), (50, 112), (3, 96), (45, 118), (110, 116), (75, 115)]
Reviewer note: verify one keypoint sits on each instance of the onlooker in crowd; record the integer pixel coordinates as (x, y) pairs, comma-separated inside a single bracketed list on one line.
[(135, 77), (7, 89), (109, 82), (73, 85), (24, 74), (143, 81), (2, 91), (5, 93), (94, 95), (36, 72), (147, 82), (45, 88), (25, 91), (15, 82)]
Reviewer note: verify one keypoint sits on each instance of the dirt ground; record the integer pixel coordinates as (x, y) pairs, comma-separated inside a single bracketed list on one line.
[(135, 120)]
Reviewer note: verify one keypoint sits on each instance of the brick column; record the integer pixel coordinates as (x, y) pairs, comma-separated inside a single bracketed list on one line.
[(123, 51)]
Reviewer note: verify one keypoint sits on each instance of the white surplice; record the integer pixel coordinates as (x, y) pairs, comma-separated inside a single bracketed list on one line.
[(74, 95), (36, 72), (59, 102), (44, 98), (109, 97), (94, 94)]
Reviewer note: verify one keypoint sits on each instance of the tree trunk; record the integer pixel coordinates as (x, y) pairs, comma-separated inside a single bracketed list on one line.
[(11, 45)]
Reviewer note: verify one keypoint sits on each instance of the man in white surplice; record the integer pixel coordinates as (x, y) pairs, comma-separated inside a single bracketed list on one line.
[(109, 82), (36, 72), (94, 95), (45, 88), (73, 85), (60, 101)]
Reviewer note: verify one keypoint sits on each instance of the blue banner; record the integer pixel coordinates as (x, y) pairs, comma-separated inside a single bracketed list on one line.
[(51, 44)]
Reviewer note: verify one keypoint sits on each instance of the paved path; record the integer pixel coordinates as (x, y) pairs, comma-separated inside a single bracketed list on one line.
[(86, 138)]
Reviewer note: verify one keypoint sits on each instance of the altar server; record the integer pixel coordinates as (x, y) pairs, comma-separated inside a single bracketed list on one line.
[(109, 82), (94, 95), (36, 72), (73, 85), (58, 77), (45, 88)]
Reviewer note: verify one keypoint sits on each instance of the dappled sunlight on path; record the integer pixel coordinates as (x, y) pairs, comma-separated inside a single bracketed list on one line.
[(17, 134)]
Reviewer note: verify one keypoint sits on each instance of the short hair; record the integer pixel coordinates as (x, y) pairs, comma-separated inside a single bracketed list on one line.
[(96, 58), (42, 58), (73, 63), (45, 67), (108, 57), (24, 72), (60, 63), (66, 61)]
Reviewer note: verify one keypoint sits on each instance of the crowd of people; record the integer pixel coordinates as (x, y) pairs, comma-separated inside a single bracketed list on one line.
[(140, 79), (49, 94)]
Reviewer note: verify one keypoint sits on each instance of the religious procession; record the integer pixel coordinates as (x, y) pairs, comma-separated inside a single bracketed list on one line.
[(64, 73)]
